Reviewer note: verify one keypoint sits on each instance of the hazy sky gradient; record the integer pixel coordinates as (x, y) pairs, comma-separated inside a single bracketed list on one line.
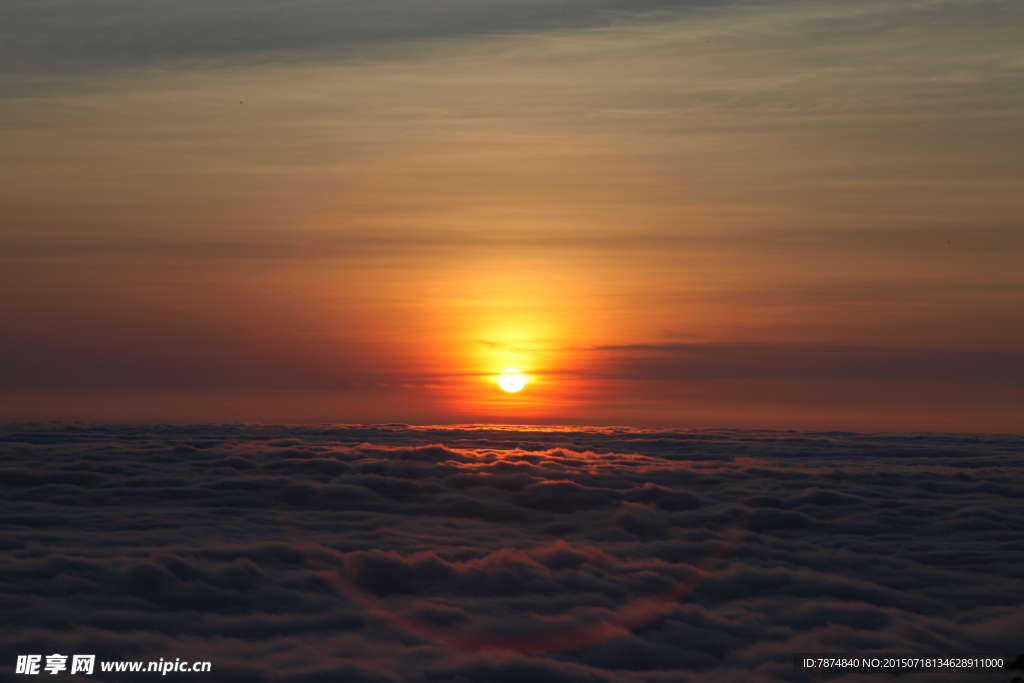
[(777, 214)]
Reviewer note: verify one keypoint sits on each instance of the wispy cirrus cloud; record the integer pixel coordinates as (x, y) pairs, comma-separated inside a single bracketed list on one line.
[(116, 31)]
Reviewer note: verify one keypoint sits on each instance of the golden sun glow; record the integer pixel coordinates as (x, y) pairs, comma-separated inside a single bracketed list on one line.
[(511, 380)]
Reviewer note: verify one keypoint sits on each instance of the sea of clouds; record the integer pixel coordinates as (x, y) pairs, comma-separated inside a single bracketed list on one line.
[(488, 554)]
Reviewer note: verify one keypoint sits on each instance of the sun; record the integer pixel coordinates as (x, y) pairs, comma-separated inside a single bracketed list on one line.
[(511, 380)]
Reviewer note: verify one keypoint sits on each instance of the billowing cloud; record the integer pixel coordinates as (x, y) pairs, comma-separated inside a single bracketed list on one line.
[(390, 553)]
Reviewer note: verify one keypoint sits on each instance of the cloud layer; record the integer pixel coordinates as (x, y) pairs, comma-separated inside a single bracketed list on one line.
[(389, 553)]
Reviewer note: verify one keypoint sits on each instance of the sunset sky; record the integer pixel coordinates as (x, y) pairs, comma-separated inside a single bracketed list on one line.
[(776, 215)]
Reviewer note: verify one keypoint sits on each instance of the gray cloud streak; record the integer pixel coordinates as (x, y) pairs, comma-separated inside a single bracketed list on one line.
[(692, 360), (114, 31)]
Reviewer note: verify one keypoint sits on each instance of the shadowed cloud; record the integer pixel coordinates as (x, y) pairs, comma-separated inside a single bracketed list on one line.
[(391, 553)]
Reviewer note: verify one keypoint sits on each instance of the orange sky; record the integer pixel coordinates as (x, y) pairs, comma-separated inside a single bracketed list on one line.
[(777, 216)]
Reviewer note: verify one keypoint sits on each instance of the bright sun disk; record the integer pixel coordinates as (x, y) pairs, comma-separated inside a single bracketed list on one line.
[(511, 380)]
